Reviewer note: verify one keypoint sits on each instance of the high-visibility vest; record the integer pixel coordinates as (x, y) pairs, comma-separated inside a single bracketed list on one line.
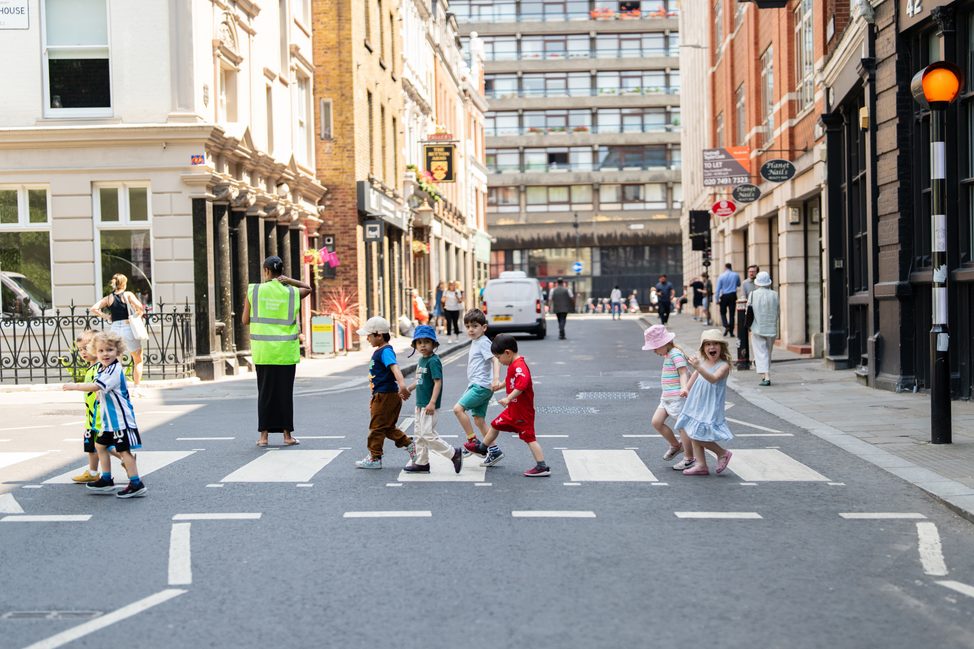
[(274, 324)]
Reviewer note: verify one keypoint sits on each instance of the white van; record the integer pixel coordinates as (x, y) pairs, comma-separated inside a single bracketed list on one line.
[(512, 303)]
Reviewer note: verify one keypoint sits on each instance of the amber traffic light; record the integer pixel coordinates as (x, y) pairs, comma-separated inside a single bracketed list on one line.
[(937, 85)]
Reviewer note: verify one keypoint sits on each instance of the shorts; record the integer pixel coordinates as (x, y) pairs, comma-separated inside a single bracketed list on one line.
[(120, 440), (523, 427), (90, 436), (672, 405), (475, 400), (123, 329)]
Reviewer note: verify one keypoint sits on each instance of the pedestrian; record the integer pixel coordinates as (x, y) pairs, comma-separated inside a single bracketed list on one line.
[(763, 311), (451, 309), (122, 306), (428, 387), (633, 303), (674, 382), (682, 301), (727, 285), (272, 310), (518, 414), (90, 474), (615, 299), (483, 379), (438, 319), (708, 300), (388, 392), (748, 285), (562, 303), (665, 292), (702, 419), (116, 425), (698, 294), (653, 300)]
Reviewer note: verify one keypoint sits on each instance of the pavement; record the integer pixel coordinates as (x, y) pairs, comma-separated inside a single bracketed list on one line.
[(890, 430), (798, 544)]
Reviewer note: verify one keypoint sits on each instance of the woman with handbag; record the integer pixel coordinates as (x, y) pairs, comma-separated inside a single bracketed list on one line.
[(125, 311)]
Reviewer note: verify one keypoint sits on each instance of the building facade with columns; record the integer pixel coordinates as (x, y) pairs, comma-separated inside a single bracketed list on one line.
[(170, 142)]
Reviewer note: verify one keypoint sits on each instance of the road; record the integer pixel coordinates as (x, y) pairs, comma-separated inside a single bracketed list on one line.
[(798, 544)]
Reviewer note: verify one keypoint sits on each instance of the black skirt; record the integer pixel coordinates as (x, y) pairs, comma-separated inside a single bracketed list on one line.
[(275, 398)]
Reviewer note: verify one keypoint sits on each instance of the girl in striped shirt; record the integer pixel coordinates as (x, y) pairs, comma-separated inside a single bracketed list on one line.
[(673, 383)]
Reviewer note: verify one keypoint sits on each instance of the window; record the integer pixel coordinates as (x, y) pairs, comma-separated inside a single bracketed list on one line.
[(503, 199), (500, 48), (25, 251), (383, 170), (718, 26), (302, 135), (285, 31), (632, 157), (325, 121), (804, 55), (228, 94), (503, 160), (269, 108), (371, 118), (368, 23), (767, 92), (740, 119), (500, 86), (719, 131), (579, 47), (677, 196), (122, 215), (501, 123), (382, 35), (76, 52), (392, 43), (395, 153), (302, 11)]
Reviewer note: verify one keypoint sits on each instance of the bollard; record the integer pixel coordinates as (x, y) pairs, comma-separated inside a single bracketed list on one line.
[(743, 348)]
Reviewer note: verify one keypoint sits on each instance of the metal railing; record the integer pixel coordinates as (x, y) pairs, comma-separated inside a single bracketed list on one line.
[(618, 53), (582, 92), (506, 13), (502, 131), (41, 349)]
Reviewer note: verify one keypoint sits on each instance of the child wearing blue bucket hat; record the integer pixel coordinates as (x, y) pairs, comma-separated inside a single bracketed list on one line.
[(429, 393)]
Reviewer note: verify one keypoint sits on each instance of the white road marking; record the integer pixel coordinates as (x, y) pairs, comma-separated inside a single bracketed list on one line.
[(880, 516), (441, 470), (393, 484), (4, 440), (836, 484), (216, 485), (606, 466), (322, 437), (764, 435), (52, 518), (632, 448), (32, 486), (292, 466), (770, 465), (73, 439), (203, 439), (227, 516), (79, 424), (719, 515), (483, 484), (561, 448), (553, 514), (180, 562), (449, 436), (957, 586), (572, 484), (9, 505), (305, 484), (16, 457), (750, 425), (642, 435), (728, 405), (551, 436), (148, 461), (748, 484), (931, 552), (72, 634), (660, 484), (3, 430), (389, 514), (406, 424)]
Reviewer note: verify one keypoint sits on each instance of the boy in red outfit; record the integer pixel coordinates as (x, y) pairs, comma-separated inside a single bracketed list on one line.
[(518, 414)]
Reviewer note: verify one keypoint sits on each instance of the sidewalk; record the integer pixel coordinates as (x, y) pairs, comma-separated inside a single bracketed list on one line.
[(889, 430)]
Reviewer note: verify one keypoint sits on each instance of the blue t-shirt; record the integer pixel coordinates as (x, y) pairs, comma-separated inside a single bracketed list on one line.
[(480, 363), (381, 378)]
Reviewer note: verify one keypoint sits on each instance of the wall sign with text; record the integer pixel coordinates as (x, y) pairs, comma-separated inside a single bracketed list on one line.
[(14, 14), (439, 162)]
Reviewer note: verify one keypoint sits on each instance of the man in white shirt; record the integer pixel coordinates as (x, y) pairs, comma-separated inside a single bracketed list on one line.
[(615, 300)]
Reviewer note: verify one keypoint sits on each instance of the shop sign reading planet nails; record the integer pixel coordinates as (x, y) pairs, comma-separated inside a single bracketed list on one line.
[(14, 14), (777, 171)]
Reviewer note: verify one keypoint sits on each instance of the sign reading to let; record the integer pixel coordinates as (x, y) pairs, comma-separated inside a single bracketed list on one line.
[(439, 162), (727, 166)]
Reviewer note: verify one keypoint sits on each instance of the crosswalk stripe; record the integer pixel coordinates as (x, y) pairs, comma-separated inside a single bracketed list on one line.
[(770, 465), (606, 466), (283, 466), (750, 425), (441, 470), (148, 462), (16, 457), (9, 505)]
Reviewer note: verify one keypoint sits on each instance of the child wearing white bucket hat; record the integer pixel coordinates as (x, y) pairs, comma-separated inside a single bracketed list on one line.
[(674, 384)]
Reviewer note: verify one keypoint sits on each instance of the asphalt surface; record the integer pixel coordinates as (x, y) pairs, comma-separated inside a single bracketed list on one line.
[(614, 564)]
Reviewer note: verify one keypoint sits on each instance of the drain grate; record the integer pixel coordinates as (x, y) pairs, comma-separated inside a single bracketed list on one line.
[(50, 615), (607, 396), (567, 410)]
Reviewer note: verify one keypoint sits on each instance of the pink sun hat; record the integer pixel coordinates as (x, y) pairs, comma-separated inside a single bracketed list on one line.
[(657, 336)]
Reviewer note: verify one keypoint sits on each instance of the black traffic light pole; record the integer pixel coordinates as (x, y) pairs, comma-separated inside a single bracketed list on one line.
[(939, 331)]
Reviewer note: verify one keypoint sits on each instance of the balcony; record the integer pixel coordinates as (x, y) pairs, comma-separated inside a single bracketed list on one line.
[(540, 63), (575, 177), (530, 136), (581, 92)]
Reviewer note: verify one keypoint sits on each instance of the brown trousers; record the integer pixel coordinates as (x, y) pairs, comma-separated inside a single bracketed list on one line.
[(385, 408)]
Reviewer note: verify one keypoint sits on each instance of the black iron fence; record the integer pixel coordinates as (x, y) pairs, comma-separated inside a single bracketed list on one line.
[(41, 349)]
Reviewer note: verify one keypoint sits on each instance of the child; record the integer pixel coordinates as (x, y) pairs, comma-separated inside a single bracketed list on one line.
[(518, 414), (384, 378), (703, 415), (673, 381), (117, 425), (90, 474), (483, 379), (429, 391)]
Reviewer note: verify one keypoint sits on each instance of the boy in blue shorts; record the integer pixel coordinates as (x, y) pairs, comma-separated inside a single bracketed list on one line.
[(483, 378)]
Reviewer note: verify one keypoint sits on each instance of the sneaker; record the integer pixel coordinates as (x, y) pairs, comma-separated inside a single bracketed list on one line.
[(412, 467), (369, 462), (683, 464), (411, 449), (457, 460), (476, 447), (87, 476), (102, 486), (137, 491), (492, 458), (536, 472), (672, 452)]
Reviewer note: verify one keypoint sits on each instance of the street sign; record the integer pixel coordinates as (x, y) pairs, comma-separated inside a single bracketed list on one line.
[(577, 267), (746, 193), (726, 166), (777, 171), (374, 230), (723, 209)]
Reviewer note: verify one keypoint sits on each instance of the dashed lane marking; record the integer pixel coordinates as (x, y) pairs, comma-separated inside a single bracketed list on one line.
[(880, 516), (203, 439), (958, 587), (930, 549), (180, 559), (53, 518), (389, 514), (750, 425), (553, 514), (218, 516), (719, 515)]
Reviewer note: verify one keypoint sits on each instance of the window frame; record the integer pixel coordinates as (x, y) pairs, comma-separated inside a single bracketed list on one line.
[(804, 54), (23, 207), (124, 223), (59, 113)]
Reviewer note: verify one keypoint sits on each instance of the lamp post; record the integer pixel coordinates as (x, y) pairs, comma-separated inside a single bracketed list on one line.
[(935, 87), (575, 227)]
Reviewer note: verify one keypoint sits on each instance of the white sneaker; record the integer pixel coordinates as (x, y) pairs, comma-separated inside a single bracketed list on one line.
[(368, 462), (683, 464)]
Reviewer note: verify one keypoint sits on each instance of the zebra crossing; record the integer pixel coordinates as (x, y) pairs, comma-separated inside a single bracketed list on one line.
[(301, 466)]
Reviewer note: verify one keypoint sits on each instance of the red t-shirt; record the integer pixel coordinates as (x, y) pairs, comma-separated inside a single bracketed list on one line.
[(519, 378)]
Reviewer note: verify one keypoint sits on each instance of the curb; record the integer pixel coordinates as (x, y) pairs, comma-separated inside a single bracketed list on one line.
[(56, 387)]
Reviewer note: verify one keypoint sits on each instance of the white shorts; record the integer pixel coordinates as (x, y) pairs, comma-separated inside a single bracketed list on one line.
[(123, 329), (672, 405)]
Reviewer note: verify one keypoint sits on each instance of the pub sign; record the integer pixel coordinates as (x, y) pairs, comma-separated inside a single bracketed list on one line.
[(439, 162)]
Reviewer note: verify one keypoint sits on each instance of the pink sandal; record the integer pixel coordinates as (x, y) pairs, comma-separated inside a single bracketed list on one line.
[(722, 462), (697, 469)]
